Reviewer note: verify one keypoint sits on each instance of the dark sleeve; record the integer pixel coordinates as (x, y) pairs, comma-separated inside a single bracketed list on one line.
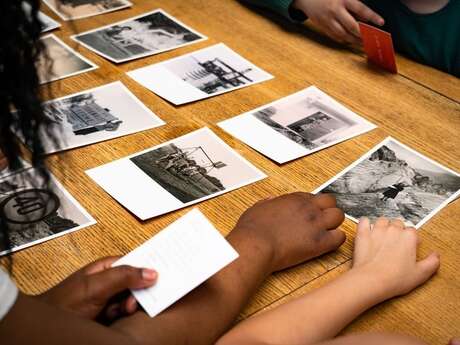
[(283, 7)]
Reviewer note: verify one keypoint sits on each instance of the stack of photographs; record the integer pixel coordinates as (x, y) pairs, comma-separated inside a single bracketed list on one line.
[(394, 181), (148, 34), (297, 125), (106, 112), (60, 61), (176, 174), (204, 73), (78, 9), (35, 211)]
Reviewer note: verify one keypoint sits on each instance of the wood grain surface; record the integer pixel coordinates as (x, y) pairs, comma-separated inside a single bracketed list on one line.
[(419, 106)]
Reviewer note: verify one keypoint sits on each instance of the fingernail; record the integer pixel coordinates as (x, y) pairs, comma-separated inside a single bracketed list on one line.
[(381, 22), (454, 342), (149, 274)]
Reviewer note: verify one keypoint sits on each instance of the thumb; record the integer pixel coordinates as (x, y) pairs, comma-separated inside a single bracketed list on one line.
[(427, 267), (106, 284)]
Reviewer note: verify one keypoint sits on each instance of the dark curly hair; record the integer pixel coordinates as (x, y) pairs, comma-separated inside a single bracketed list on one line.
[(20, 101)]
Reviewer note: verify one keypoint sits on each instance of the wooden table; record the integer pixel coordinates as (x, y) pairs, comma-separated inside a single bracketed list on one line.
[(419, 106)]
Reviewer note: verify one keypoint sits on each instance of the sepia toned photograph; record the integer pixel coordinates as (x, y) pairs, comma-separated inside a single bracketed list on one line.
[(184, 171), (34, 213), (394, 181), (144, 35), (310, 120), (77, 9), (60, 61), (106, 112), (207, 72)]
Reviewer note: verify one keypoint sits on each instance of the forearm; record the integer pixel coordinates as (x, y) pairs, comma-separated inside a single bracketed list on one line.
[(33, 322), (206, 313), (315, 317)]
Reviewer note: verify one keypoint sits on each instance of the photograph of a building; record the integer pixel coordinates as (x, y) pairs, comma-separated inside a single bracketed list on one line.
[(60, 61), (396, 182), (307, 121), (91, 116), (140, 36), (76, 9), (34, 213)]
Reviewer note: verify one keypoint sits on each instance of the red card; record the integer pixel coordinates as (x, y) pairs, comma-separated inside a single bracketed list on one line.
[(378, 46)]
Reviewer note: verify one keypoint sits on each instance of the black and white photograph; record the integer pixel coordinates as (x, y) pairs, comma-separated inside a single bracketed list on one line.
[(297, 125), (176, 174), (6, 169), (78, 9), (48, 23), (106, 112), (201, 74), (148, 34), (35, 214), (394, 181), (60, 61)]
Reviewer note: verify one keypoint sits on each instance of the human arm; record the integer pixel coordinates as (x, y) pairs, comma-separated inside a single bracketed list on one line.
[(384, 266), (64, 314), (270, 236)]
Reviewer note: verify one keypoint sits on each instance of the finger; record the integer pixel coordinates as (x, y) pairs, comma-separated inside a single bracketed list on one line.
[(130, 305), (349, 23), (454, 341), (340, 32), (303, 195), (108, 283), (324, 201), (332, 240), (398, 223), (113, 311), (427, 267), (381, 223), (331, 218), (364, 227), (100, 265), (364, 13)]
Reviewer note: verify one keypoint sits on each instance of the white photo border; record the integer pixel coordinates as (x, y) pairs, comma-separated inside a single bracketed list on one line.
[(73, 201), (129, 93), (158, 10), (66, 47), (308, 152), (66, 18), (374, 149), (260, 174)]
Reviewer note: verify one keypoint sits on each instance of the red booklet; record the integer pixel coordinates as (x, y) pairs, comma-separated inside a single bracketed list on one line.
[(378, 46)]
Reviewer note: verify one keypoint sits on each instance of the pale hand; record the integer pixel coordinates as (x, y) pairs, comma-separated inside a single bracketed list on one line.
[(387, 254), (338, 18)]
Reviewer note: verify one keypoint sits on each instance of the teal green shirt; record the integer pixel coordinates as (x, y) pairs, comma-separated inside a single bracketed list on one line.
[(432, 39)]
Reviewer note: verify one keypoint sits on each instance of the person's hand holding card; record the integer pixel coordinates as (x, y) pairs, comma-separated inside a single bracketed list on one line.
[(100, 291)]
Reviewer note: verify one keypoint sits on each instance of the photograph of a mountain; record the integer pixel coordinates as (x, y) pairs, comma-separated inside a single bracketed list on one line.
[(394, 181)]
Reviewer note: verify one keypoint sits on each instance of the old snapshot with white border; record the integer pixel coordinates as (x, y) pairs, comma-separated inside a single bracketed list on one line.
[(78, 9), (176, 174), (106, 112), (198, 75), (60, 61), (35, 211), (297, 125), (148, 34), (394, 181)]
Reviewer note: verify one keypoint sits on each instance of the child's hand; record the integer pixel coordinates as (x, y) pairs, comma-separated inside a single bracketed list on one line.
[(297, 227), (337, 17), (388, 254)]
